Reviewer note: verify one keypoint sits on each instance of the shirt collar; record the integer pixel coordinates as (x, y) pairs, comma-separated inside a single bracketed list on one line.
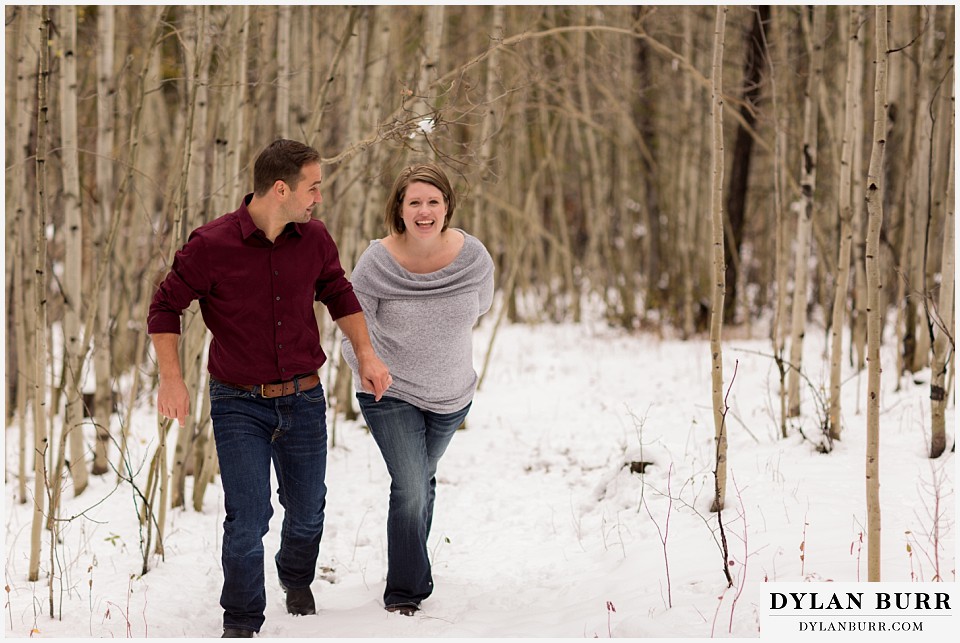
[(249, 228)]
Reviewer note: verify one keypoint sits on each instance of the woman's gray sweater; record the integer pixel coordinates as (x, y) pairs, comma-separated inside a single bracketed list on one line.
[(421, 324)]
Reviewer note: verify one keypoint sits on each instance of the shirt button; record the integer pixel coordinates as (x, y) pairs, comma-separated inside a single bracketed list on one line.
[(279, 323), (280, 346), (276, 272), (278, 297)]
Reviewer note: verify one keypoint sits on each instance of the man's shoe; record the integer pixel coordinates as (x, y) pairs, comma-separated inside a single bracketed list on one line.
[(407, 609), (236, 633), (300, 601)]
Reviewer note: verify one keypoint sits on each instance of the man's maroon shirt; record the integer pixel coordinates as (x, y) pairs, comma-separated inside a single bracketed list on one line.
[(256, 297)]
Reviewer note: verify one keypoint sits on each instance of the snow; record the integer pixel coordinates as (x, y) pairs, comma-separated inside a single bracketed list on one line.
[(541, 529)]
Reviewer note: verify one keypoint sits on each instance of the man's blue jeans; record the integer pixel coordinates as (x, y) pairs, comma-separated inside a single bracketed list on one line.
[(250, 432), (411, 441)]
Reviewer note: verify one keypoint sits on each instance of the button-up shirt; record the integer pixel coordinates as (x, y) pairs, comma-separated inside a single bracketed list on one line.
[(256, 297)]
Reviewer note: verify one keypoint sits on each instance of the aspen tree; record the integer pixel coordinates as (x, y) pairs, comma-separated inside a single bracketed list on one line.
[(188, 214), (858, 321), (313, 133), (73, 268), (845, 209), (488, 172), (591, 175), (376, 75), (40, 439), (915, 351), (241, 105), (301, 38), (282, 128), (128, 183), (780, 253), (736, 205), (944, 344), (25, 327), (193, 206), (103, 364), (687, 187), (423, 108), (919, 195), (874, 195), (354, 201), (808, 183), (716, 300), (206, 464)]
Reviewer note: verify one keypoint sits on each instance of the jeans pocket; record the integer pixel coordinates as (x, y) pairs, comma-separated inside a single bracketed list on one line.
[(314, 395), (220, 391)]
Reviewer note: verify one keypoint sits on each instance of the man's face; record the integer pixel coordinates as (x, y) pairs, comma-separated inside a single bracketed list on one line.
[(299, 203)]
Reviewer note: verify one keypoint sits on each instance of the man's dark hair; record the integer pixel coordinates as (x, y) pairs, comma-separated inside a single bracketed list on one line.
[(281, 161)]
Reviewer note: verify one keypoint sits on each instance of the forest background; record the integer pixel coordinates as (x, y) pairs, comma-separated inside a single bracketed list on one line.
[(597, 151)]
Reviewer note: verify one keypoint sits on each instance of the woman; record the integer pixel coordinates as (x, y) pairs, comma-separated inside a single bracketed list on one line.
[(422, 289)]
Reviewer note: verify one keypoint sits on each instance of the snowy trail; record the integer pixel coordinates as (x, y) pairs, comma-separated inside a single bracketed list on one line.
[(539, 529)]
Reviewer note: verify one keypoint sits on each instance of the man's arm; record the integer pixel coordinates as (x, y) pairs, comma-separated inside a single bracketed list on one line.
[(173, 399), (374, 374)]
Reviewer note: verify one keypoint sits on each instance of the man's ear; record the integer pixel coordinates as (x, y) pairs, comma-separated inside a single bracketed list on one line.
[(280, 187)]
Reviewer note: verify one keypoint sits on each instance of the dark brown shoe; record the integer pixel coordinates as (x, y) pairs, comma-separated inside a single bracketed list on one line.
[(236, 633), (300, 601), (407, 609)]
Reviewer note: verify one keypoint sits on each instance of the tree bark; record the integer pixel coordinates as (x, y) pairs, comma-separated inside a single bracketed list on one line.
[(781, 253), (73, 263), (25, 325), (423, 107), (283, 72), (875, 193), (40, 439), (716, 307), (944, 344), (740, 163), (858, 321), (919, 192), (845, 210), (808, 184), (190, 215), (106, 107)]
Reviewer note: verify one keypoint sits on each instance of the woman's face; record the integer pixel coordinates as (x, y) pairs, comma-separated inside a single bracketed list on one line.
[(423, 210)]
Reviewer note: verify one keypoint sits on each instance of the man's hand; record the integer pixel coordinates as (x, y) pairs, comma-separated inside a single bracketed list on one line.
[(173, 400)]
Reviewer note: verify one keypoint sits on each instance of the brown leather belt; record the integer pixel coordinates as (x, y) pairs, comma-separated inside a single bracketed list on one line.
[(279, 389)]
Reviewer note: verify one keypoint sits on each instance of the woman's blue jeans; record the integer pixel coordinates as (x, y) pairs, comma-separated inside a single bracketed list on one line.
[(411, 441), (250, 432)]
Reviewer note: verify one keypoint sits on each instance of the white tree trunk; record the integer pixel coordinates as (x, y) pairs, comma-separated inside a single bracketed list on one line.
[(283, 71), (918, 196), (875, 191), (25, 326), (40, 439), (845, 209), (106, 105), (944, 343), (858, 326), (73, 268), (427, 74), (719, 269)]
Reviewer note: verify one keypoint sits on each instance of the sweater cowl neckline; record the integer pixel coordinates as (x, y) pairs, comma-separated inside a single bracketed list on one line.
[(386, 278)]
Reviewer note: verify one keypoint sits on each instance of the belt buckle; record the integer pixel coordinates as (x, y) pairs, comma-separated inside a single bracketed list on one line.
[(263, 390)]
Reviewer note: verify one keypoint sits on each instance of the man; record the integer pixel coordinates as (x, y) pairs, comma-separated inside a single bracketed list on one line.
[(256, 272)]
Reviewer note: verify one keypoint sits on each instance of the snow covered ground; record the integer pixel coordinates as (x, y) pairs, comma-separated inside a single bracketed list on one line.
[(541, 528)]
